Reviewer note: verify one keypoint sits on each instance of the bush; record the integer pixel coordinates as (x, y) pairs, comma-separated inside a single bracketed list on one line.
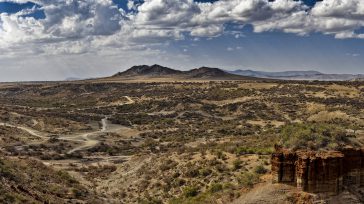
[(248, 179), (253, 150), (192, 173), (64, 176), (205, 172), (5, 171), (260, 170), (313, 135), (221, 155), (237, 164), (215, 187), (168, 164), (190, 191)]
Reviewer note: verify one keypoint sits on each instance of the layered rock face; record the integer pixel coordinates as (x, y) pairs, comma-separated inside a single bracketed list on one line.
[(324, 173)]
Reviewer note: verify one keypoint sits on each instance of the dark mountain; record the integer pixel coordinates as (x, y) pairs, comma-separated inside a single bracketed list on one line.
[(298, 75), (207, 72), (145, 70), (160, 71)]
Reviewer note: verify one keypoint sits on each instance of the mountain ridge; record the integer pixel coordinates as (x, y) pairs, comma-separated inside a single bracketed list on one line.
[(153, 70), (209, 73), (161, 71)]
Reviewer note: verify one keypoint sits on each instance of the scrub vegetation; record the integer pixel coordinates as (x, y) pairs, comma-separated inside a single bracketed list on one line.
[(163, 141)]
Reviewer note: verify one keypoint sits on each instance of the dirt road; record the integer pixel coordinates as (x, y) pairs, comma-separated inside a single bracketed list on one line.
[(86, 140), (28, 130)]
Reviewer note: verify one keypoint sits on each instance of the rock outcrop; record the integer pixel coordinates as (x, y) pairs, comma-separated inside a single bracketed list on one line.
[(322, 172)]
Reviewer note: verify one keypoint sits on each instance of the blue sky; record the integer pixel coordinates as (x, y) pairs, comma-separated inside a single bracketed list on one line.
[(11, 7), (95, 38), (276, 51)]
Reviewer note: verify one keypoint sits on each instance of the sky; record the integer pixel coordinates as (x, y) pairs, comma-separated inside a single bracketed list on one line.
[(57, 39)]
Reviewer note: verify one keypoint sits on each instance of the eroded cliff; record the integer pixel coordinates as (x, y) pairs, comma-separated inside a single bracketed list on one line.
[(323, 172)]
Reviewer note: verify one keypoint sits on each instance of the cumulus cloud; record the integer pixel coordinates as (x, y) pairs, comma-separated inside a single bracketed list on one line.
[(66, 22), (166, 13), (79, 26), (340, 18)]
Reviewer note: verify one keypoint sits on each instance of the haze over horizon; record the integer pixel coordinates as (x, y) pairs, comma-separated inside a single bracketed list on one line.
[(54, 40)]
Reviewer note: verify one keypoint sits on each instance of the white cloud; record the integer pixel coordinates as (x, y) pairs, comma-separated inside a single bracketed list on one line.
[(66, 21), (98, 26), (208, 31), (131, 5), (77, 21), (166, 13)]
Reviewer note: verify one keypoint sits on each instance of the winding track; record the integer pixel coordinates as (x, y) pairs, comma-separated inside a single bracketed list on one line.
[(86, 140), (26, 129)]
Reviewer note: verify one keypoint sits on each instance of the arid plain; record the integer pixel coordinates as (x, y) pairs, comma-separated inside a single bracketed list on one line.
[(166, 140)]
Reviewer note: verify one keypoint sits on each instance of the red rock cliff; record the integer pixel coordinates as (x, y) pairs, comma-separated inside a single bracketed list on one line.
[(325, 172)]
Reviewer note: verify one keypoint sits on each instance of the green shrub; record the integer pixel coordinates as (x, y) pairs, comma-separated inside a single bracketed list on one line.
[(221, 155), (64, 176), (192, 173), (253, 150), (190, 191), (237, 164), (205, 172), (260, 170), (248, 179), (313, 135), (5, 171), (215, 187)]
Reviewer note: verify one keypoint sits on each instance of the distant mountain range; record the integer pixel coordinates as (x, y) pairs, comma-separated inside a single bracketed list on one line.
[(142, 72), (157, 71), (298, 75)]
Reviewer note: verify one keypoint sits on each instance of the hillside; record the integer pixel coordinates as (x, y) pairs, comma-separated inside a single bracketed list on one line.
[(30, 181)]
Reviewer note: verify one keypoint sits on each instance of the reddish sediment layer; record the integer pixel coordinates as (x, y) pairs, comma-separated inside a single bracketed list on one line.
[(324, 172)]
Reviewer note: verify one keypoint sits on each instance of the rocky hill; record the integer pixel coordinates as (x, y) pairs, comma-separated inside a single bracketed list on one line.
[(156, 71), (207, 72), (145, 70)]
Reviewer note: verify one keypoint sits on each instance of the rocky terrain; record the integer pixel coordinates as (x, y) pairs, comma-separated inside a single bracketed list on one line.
[(177, 140), (30, 181)]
